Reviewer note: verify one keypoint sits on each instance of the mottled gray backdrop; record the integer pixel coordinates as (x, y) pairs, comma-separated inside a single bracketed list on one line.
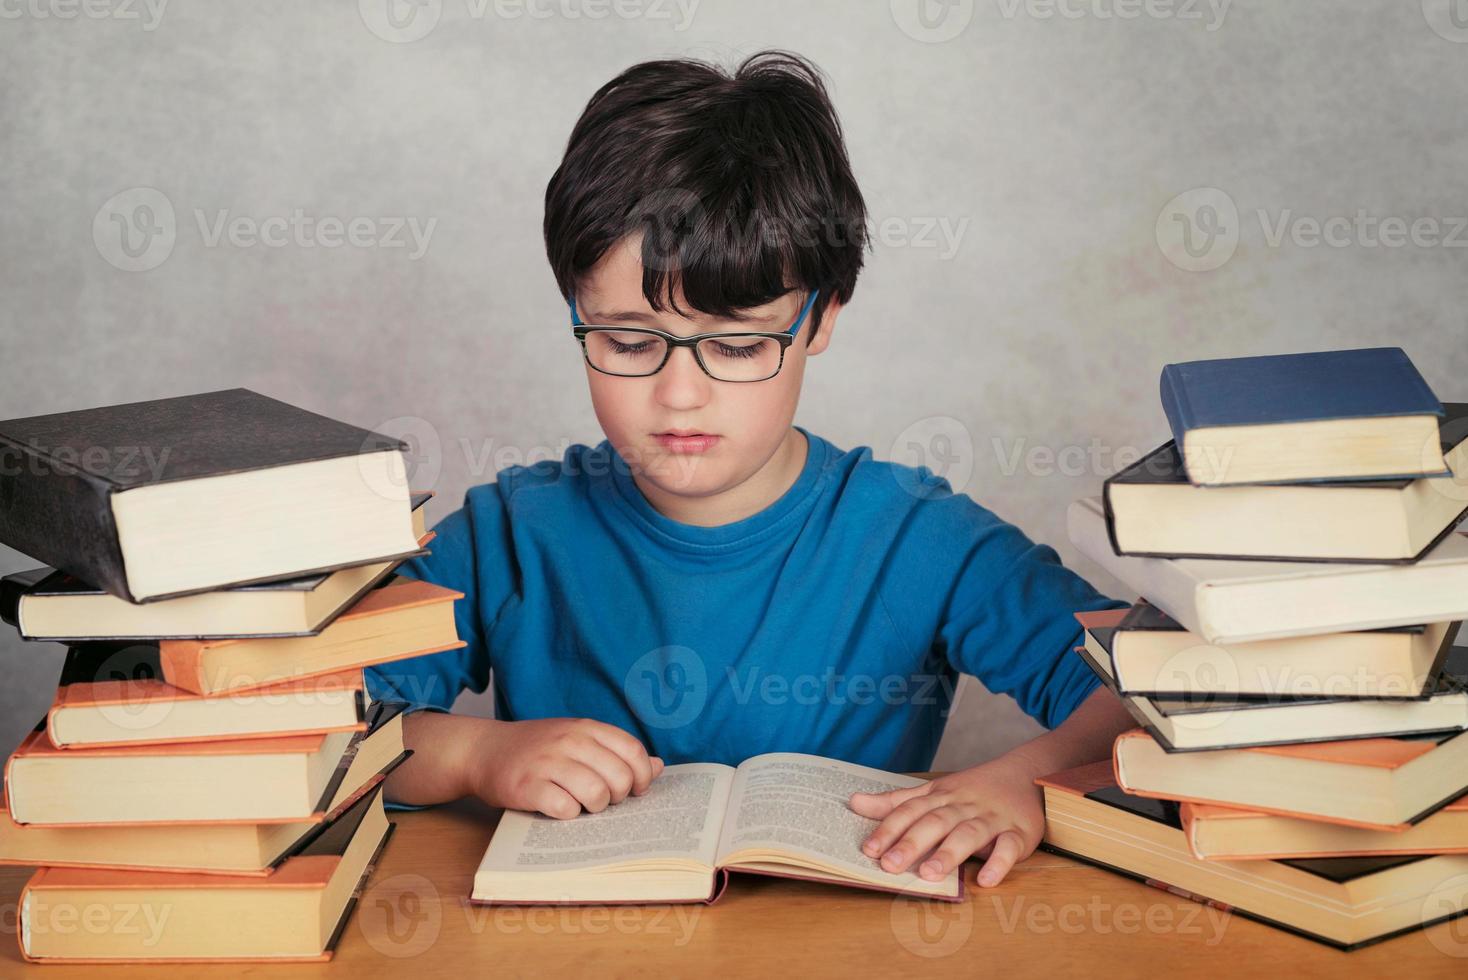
[(339, 205)]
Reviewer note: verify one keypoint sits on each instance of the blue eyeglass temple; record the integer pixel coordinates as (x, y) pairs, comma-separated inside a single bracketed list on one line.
[(794, 327)]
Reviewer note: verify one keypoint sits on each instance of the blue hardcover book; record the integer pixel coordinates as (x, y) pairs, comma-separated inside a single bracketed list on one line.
[(1329, 415)]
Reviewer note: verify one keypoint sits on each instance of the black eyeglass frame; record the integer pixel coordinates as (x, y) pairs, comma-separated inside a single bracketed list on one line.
[(784, 338)]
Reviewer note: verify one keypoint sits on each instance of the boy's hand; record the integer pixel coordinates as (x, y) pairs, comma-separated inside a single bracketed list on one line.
[(557, 766), (994, 810)]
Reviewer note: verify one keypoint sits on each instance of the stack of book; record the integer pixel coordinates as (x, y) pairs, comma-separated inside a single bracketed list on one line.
[(209, 775), (1302, 755)]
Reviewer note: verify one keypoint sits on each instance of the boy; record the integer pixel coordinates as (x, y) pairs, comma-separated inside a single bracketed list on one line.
[(636, 599)]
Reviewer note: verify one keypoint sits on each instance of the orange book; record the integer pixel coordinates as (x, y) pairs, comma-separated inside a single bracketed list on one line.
[(1345, 902), (113, 694), (248, 780), (1380, 783), (1217, 833), (175, 848), (404, 618), (297, 913)]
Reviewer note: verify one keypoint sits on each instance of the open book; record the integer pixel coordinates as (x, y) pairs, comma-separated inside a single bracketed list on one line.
[(781, 814)]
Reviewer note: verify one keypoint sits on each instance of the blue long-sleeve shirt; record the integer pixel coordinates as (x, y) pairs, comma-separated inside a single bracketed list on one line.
[(834, 622)]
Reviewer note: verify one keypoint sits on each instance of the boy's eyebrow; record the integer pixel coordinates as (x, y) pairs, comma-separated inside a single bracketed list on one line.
[(639, 316)]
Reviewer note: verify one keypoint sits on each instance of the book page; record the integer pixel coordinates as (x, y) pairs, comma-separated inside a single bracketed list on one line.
[(678, 816), (798, 804)]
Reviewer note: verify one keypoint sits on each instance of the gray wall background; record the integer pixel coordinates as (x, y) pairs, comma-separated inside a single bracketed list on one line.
[(1022, 160)]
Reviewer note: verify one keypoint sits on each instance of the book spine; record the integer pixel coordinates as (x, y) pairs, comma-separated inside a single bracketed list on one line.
[(60, 514), (1175, 405), (10, 595), (182, 663)]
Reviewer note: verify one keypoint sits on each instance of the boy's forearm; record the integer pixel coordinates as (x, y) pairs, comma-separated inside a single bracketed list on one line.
[(1085, 736), (438, 770)]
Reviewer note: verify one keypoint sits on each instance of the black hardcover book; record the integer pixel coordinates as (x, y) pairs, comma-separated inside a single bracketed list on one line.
[(64, 479), (42, 584), (1320, 514)]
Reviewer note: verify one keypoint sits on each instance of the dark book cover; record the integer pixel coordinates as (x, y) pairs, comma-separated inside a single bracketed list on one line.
[(51, 582), (58, 472), (1369, 382), (1163, 466)]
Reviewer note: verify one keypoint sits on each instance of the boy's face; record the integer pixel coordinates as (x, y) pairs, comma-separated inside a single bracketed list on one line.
[(751, 421)]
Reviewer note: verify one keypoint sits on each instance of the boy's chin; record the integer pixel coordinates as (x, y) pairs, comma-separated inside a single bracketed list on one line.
[(687, 474)]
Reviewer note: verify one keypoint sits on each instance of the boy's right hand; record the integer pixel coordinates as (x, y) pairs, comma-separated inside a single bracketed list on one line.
[(557, 766)]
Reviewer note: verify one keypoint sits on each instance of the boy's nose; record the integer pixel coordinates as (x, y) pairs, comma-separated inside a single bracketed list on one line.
[(681, 383)]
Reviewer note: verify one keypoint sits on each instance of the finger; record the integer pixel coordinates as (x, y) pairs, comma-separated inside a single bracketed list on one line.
[(896, 823), (553, 801), (878, 805), (630, 749), (610, 766), (1008, 848), (657, 766), (922, 837), (583, 783), (956, 848)]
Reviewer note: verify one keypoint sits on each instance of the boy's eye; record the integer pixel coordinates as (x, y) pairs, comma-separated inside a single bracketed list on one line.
[(731, 347)]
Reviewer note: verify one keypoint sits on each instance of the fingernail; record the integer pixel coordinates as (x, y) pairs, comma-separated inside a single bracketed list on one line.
[(893, 857), (931, 869), (988, 879), (870, 845)]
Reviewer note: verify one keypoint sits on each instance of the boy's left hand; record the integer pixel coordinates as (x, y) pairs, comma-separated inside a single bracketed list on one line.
[(994, 810)]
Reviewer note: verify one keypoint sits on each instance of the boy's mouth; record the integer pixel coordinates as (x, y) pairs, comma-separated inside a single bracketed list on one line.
[(685, 440)]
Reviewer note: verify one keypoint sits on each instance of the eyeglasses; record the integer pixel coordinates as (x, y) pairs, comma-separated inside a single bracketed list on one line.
[(639, 352)]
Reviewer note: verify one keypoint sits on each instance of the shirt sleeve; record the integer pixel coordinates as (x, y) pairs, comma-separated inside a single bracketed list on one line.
[(471, 554), (1009, 616)]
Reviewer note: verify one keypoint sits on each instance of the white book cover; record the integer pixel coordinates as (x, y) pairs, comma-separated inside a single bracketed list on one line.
[(1238, 601)]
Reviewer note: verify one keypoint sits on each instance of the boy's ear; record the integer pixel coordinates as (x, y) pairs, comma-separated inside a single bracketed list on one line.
[(822, 338)]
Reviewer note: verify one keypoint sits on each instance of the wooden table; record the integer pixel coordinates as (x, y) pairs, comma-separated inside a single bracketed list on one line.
[(1051, 916)]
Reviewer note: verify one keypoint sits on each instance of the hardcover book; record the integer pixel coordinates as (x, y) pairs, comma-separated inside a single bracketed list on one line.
[(1343, 902), (128, 497), (1344, 414), (46, 604)]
